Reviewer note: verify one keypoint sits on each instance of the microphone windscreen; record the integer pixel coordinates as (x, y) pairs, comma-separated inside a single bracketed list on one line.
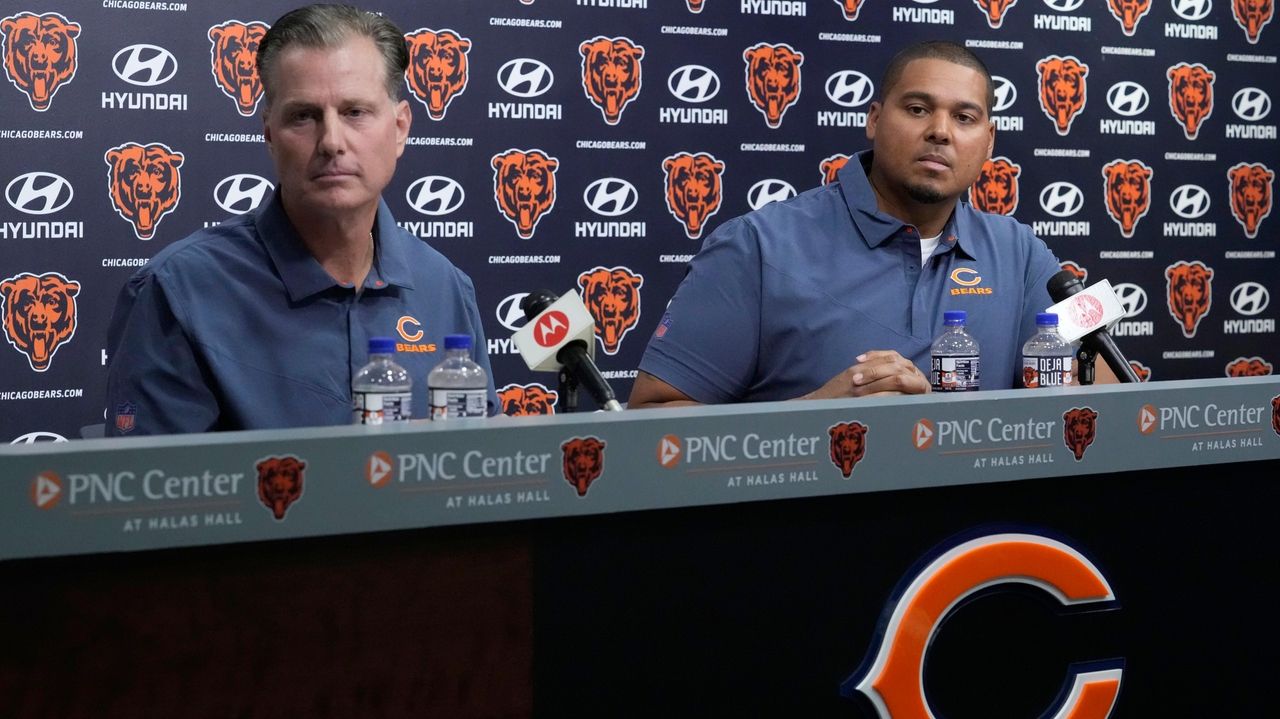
[(536, 302), (1063, 285)]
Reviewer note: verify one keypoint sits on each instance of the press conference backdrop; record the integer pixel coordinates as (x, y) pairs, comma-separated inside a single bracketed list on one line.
[(1137, 138)]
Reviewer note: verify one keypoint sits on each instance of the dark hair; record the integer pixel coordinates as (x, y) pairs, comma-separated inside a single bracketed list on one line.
[(328, 26), (936, 50)]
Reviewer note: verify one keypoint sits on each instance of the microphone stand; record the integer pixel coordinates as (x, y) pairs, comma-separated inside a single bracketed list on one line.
[(568, 389), (1085, 357)]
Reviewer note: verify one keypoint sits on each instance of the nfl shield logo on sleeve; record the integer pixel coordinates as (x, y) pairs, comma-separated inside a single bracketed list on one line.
[(125, 415)]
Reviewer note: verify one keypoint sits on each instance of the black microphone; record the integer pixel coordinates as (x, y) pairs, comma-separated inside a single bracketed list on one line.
[(574, 357), (1098, 342)]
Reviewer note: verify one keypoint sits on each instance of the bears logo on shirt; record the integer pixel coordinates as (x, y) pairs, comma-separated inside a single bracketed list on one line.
[(830, 168), (1190, 96), (1079, 429), (280, 483), (524, 186), (612, 295), (1127, 186), (524, 400), (438, 69), (1190, 292), (1252, 16), (40, 314), (693, 189), (234, 59), (848, 445), (1248, 367), (1062, 89), (611, 74), (1129, 13), (144, 184), (1250, 195), (995, 10), (39, 54), (583, 462), (773, 79), (996, 189)]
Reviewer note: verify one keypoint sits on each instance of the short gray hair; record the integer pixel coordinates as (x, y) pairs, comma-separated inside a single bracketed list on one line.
[(328, 26)]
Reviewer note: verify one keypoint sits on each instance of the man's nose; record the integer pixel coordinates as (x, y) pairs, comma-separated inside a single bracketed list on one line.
[(330, 141)]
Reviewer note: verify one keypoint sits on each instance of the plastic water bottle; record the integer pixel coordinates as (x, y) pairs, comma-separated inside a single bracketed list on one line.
[(955, 359), (381, 390), (1046, 357), (458, 387)]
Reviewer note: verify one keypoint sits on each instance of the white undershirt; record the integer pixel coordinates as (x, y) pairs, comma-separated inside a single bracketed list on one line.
[(927, 246)]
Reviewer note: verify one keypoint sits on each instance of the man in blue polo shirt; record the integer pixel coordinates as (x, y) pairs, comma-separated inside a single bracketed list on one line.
[(840, 292), (263, 320)]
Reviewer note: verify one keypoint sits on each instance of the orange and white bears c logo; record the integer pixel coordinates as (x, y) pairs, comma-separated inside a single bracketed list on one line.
[(524, 186), (996, 189), (1062, 89), (613, 298), (1252, 16), (280, 481), (1190, 96), (1190, 293), (851, 8), (144, 184), (1275, 413), (438, 69), (1248, 367), (995, 10), (892, 675), (611, 74), (583, 462), (1079, 428), (234, 57), (1129, 12), (523, 400), (1143, 371), (39, 54), (39, 314), (848, 445), (693, 189), (1250, 195), (1127, 187), (1074, 268), (773, 79), (830, 168)]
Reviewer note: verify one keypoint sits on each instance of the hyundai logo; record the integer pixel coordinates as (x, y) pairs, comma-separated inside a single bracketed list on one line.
[(1250, 298), (509, 313), (693, 83), (145, 65), (1006, 93), (1193, 10), (610, 196), (525, 77), (1251, 104), (1189, 201), (435, 195), (1132, 298), (239, 194), (38, 438), (1061, 199), (38, 193), (766, 191), (849, 88), (1127, 98), (1064, 5)]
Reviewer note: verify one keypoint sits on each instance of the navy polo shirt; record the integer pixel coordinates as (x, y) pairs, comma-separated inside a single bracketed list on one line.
[(782, 299), (239, 327)]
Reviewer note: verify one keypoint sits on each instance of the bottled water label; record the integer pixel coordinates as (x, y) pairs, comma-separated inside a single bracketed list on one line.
[(955, 374), (1046, 371), (379, 407), (448, 403)]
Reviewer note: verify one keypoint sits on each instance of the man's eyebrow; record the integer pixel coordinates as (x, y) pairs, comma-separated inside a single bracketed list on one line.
[(931, 100)]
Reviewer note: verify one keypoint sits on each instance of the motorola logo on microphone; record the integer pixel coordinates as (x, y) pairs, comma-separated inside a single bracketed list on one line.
[(771, 190), (849, 88), (38, 193), (1249, 299), (144, 65), (435, 195), (525, 77), (239, 194), (1061, 199), (1127, 98), (693, 83)]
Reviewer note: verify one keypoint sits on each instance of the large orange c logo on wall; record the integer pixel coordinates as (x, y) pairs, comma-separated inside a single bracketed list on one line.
[(892, 676)]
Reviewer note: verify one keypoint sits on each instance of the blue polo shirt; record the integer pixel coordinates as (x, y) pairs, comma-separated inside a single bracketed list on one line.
[(239, 327), (781, 300)]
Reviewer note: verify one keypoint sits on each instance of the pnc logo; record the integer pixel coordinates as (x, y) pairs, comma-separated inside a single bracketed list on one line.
[(996, 189), (1190, 293), (1252, 16), (525, 77), (965, 276), (525, 400), (239, 194), (1250, 298), (1127, 186), (693, 189), (693, 83), (773, 79), (830, 168), (1062, 89), (1193, 10), (610, 197), (995, 10), (1250, 195), (39, 54), (1128, 13), (144, 184), (611, 74), (1251, 104), (438, 70), (583, 462), (612, 296), (46, 490), (922, 434), (1128, 98), (378, 470), (1079, 429), (509, 312), (280, 483), (1147, 415), (1189, 201), (850, 88), (892, 674), (1190, 96), (40, 315), (234, 62), (670, 449), (524, 187), (1006, 93), (435, 195), (551, 329), (144, 65), (409, 328), (39, 193), (1132, 298), (1061, 199), (771, 190)]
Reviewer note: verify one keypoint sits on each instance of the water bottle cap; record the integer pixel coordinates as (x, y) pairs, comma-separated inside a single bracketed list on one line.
[(954, 317), (457, 342), (382, 345), (1046, 319)]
